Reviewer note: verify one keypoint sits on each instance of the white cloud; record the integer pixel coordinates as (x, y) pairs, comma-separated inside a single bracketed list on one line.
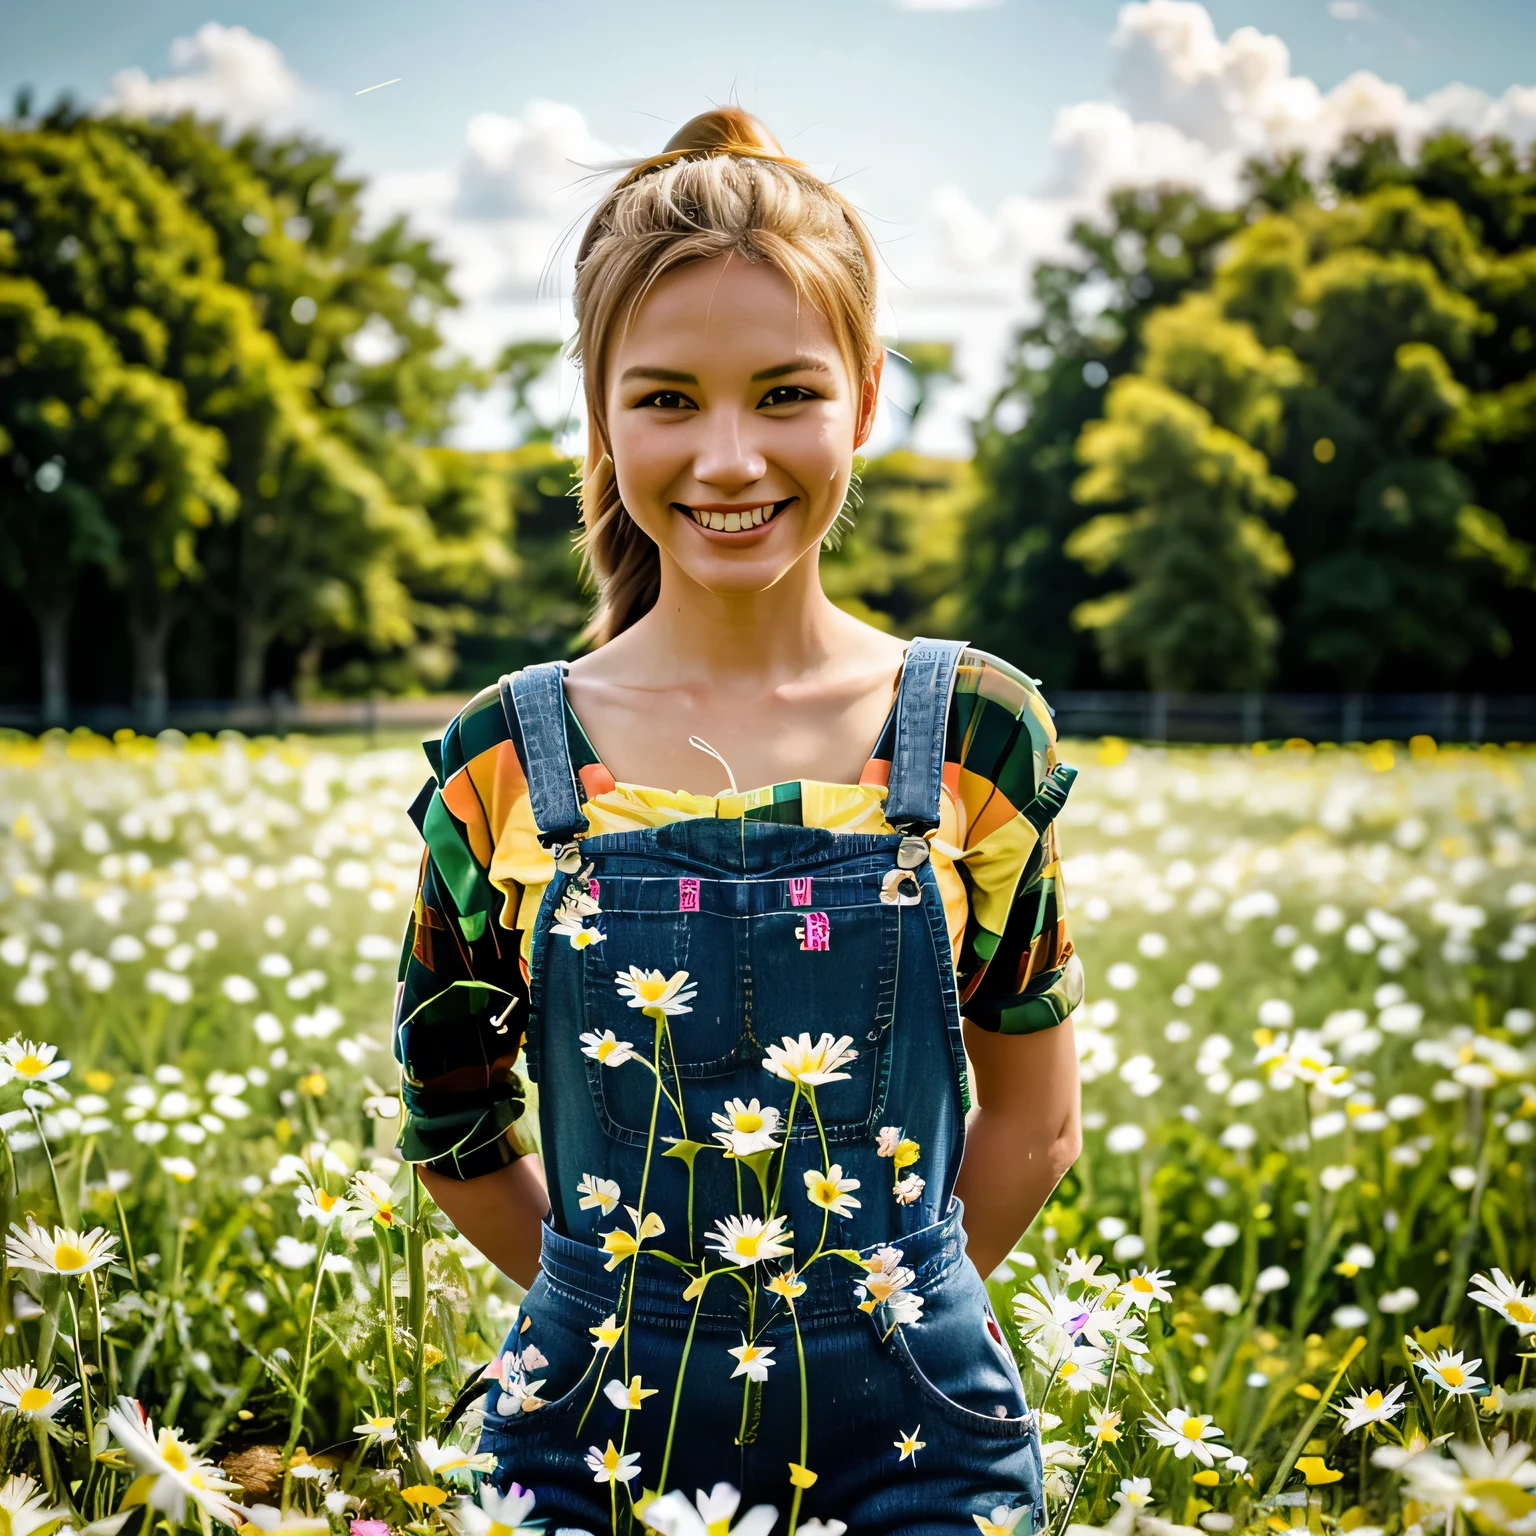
[(225, 72), (1351, 10), (1188, 109)]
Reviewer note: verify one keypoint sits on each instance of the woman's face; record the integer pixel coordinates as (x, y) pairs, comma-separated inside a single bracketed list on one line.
[(732, 423)]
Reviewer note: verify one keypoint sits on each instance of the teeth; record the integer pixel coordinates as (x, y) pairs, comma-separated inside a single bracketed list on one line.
[(735, 522)]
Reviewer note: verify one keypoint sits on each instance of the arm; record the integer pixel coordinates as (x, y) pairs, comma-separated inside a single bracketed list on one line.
[(459, 1020), (500, 1213), (1021, 1136)]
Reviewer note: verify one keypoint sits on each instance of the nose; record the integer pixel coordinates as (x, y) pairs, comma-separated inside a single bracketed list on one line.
[(726, 457)]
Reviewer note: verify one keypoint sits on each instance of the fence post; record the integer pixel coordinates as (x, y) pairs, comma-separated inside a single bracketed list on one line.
[(1157, 716), (1477, 718), (1253, 717)]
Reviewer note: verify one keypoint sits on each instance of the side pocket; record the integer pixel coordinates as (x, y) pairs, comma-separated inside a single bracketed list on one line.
[(952, 1360), (552, 1361)]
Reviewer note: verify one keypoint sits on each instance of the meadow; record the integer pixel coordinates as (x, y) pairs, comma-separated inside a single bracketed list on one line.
[(1287, 1284)]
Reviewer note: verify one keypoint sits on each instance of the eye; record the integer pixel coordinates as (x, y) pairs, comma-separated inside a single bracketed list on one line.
[(667, 400), (787, 394)]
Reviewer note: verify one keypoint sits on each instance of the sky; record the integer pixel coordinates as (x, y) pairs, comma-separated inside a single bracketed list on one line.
[(969, 134)]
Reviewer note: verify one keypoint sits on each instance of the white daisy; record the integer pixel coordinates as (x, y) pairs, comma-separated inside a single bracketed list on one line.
[(1506, 1298), (608, 1466), (175, 1472), (22, 1393), (747, 1240), (606, 1048), (1374, 1407), (747, 1128), (497, 1514), (61, 1252), (1188, 1434), (604, 1193), (1452, 1373), (576, 933), (799, 1061), (753, 1360), (628, 1398), (830, 1190), (654, 993), (26, 1508), (711, 1514), (30, 1061), (1002, 1521)]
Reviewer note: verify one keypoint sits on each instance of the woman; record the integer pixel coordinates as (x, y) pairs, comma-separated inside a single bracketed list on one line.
[(742, 1008)]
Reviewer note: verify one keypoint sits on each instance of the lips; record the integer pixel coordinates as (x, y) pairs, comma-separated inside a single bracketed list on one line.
[(739, 521)]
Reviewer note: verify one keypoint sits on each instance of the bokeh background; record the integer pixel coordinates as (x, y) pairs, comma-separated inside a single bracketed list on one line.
[(1212, 403)]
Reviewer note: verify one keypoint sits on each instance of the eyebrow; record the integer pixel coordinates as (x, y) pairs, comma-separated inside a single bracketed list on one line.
[(673, 376)]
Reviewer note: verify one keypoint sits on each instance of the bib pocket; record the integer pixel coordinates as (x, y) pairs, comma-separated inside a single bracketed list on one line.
[(830, 968), (702, 1028)]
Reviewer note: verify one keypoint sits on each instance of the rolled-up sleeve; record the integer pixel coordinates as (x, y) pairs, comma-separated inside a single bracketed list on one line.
[(1017, 970), (461, 1002)]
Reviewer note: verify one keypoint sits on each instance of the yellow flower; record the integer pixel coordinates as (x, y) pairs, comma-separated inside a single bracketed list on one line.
[(607, 1333), (1316, 1470), (907, 1153), (788, 1284), (424, 1496), (314, 1084), (909, 1445), (830, 1190), (1207, 1478), (801, 1477), (1106, 1426), (98, 1081), (628, 1398), (625, 1245), (1307, 1390)]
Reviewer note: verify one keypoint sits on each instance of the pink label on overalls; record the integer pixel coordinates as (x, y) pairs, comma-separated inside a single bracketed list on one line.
[(687, 895), (593, 886), (817, 931), (800, 891)]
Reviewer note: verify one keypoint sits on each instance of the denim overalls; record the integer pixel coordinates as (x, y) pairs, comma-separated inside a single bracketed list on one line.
[(784, 931)]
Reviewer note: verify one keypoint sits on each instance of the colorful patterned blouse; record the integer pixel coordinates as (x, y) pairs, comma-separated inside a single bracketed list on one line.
[(484, 871)]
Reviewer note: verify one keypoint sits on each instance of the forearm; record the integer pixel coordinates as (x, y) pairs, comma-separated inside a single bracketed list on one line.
[(501, 1213), (1005, 1180), (1023, 1134)]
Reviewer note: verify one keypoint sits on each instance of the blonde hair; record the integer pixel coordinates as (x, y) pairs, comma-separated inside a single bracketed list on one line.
[(722, 185)]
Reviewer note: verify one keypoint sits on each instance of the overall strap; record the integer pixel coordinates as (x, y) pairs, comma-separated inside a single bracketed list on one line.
[(534, 702), (922, 720)]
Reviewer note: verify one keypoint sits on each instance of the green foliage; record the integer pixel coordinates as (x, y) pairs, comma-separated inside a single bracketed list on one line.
[(1370, 334), (896, 567)]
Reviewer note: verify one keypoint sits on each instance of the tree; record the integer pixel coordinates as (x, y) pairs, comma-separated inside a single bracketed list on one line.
[(104, 466), (1195, 544), (522, 364), (1019, 586)]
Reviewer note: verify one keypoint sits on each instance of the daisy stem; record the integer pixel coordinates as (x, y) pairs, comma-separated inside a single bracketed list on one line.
[(46, 1463), (1304, 1434), (794, 1503), (301, 1397), (613, 1504), (80, 1371), (53, 1173), (417, 1302), (789, 1126), (1077, 1487), (122, 1226), (677, 1391), (645, 1176), (821, 1132), (387, 1295)]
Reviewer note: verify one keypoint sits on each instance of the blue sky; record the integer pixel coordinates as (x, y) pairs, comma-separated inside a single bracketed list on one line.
[(969, 134)]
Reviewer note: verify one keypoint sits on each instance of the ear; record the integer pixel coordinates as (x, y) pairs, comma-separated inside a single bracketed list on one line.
[(869, 399)]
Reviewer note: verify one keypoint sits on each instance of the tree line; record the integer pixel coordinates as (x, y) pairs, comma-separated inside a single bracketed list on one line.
[(1287, 444), (1290, 444)]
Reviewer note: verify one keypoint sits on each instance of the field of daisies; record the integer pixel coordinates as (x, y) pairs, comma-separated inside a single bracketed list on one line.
[(1288, 1284)]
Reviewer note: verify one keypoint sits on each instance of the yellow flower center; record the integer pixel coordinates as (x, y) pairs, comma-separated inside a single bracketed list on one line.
[(325, 1199), (1069, 1368), (749, 1121), (34, 1399), (1142, 1284), (1452, 1375), (751, 1352), (826, 1192), (746, 1245), (583, 939), (1519, 1312), (611, 1458), (67, 1258), (652, 989), (173, 1454), (1373, 1399), (1194, 1429), (30, 1066), (606, 1049)]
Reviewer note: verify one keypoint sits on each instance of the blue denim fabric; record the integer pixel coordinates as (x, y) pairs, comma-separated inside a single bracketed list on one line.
[(885, 980)]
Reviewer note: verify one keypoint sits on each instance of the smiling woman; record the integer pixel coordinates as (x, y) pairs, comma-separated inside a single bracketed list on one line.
[(787, 963)]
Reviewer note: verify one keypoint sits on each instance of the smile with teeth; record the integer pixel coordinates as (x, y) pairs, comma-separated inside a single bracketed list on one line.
[(736, 522)]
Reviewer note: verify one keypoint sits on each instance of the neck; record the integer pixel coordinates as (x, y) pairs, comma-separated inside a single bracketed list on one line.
[(783, 631)]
